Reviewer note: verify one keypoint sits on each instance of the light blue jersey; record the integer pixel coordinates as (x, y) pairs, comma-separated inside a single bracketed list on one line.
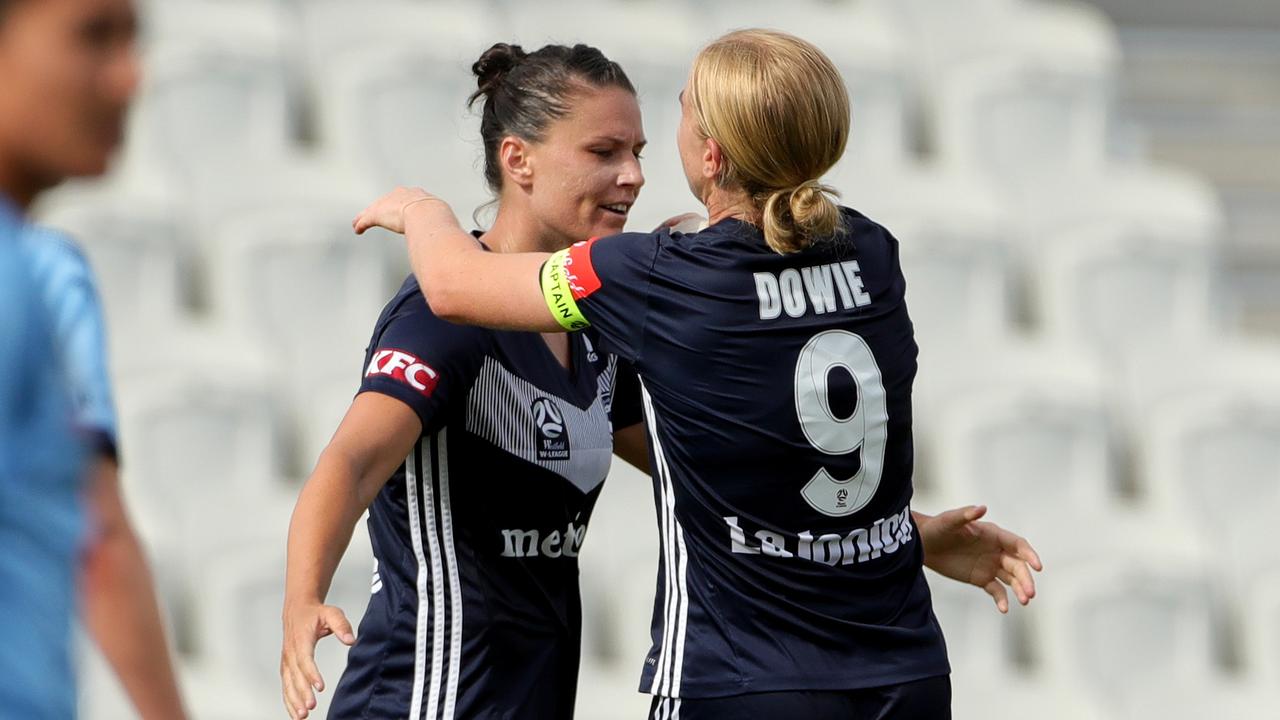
[(41, 521), (71, 297)]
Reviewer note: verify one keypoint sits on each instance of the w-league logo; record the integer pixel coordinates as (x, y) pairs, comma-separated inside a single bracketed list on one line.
[(552, 437)]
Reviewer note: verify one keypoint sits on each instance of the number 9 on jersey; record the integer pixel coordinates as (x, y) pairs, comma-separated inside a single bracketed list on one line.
[(866, 429)]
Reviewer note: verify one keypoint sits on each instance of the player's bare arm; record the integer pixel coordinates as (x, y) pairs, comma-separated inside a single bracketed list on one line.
[(372, 440), (120, 609), (460, 281), (982, 554)]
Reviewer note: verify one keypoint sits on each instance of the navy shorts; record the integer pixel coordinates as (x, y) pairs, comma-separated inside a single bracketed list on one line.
[(928, 699)]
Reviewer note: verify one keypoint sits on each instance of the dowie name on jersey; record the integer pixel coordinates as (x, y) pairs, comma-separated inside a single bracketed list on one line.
[(816, 288), (883, 537)]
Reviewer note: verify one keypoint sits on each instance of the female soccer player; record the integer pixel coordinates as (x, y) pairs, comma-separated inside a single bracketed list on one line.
[(777, 359), (481, 451)]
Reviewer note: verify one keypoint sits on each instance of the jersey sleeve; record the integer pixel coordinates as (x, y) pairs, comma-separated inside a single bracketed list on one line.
[(75, 310), (604, 283), (626, 408), (36, 443), (15, 326), (422, 361)]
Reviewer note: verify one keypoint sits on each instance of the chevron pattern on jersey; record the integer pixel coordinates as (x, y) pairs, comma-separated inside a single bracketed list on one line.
[(532, 424)]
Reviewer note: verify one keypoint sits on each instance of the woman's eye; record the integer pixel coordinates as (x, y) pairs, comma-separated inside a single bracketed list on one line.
[(602, 153)]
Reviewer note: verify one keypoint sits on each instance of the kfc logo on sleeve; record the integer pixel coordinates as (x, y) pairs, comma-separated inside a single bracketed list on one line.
[(404, 367), (579, 271)]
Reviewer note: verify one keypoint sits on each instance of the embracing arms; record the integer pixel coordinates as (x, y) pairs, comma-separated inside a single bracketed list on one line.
[(464, 284), (461, 282)]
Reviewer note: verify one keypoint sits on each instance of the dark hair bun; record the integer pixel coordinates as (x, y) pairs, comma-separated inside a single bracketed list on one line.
[(493, 66)]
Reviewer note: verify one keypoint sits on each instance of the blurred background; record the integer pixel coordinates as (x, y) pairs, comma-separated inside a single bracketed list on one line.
[(1087, 197)]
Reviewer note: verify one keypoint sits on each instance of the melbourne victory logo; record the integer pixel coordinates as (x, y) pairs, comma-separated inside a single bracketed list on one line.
[(551, 437)]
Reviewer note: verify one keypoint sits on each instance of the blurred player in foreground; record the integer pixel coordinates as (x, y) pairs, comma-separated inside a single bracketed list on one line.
[(118, 600), (68, 69)]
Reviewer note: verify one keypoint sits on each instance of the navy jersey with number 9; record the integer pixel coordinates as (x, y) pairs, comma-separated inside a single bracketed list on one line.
[(778, 394)]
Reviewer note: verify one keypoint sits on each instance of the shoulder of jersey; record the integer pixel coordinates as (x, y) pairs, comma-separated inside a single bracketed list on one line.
[(50, 245), (409, 298)]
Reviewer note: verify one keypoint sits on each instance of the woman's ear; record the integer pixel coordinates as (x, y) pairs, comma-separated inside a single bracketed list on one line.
[(713, 162), (514, 159)]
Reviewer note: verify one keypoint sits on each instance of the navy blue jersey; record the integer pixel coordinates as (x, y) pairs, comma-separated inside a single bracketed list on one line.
[(778, 394), (475, 611)]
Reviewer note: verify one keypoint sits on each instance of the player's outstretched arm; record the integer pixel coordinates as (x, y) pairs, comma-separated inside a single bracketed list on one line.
[(373, 439), (119, 603), (461, 282), (982, 554)]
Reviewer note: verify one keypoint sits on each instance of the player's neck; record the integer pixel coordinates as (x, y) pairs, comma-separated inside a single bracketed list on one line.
[(725, 203), (515, 231), (17, 187)]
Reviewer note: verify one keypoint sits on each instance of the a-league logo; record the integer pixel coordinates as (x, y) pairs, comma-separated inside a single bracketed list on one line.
[(551, 438)]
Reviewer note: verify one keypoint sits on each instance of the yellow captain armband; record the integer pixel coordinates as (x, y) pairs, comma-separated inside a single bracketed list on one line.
[(558, 292)]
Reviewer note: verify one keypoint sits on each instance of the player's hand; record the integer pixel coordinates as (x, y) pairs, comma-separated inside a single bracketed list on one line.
[(304, 625), (389, 210), (982, 554), (690, 222)]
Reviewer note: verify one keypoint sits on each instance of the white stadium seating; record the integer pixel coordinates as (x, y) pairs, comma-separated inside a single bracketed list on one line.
[(1123, 630)]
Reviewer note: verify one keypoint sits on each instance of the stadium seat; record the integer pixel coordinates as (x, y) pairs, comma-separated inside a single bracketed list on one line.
[(302, 286), (955, 243), (998, 77), (398, 115), (141, 254), (1116, 285), (199, 433), (319, 409), (978, 636), (1028, 451), (1146, 199), (1126, 626), (218, 89), (1259, 621), (391, 81), (1014, 121), (237, 612), (1212, 459), (1029, 431), (335, 30)]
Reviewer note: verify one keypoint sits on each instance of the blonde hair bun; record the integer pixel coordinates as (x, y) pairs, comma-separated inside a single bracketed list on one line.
[(794, 217)]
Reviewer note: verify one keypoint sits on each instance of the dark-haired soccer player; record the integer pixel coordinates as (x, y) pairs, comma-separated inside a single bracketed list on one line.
[(479, 453)]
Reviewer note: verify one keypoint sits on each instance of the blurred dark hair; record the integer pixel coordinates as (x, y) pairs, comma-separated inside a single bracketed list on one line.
[(525, 92)]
